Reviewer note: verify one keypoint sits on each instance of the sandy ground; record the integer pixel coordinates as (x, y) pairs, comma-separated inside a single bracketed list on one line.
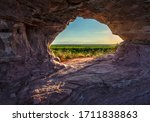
[(78, 61)]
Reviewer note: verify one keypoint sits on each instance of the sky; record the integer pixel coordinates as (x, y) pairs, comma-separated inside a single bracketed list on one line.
[(86, 31)]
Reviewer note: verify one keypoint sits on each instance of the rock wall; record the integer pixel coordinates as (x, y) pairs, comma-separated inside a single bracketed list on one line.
[(28, 27)]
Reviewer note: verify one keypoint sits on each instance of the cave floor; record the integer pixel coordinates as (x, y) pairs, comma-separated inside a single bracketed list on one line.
[(78, 61), (96, 81)]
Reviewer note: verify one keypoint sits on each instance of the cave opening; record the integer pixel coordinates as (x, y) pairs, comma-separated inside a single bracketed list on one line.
[(84, 39)]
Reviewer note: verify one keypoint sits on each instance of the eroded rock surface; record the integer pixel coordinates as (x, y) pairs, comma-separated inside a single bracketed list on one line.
[(31, 74), (100, 81)]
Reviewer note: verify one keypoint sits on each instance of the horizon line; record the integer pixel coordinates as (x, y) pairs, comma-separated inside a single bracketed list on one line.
[(86, 44)]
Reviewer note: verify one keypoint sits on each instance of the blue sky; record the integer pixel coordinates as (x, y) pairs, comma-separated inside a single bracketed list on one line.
[(86, 31)]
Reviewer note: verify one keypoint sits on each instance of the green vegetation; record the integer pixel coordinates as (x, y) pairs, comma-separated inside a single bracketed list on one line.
[(65, 52)]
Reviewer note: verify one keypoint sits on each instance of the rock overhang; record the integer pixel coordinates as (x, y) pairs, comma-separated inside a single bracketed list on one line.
[(29, 26), (128, 19)]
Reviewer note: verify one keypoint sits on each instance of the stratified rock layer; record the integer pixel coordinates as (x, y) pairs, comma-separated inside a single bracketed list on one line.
[(28, 27)]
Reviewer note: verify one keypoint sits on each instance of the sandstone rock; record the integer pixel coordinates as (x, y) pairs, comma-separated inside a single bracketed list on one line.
[(139, 56), (28, 27)]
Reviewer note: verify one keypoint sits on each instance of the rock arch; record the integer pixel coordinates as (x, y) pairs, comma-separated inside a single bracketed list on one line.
[(40, 21)]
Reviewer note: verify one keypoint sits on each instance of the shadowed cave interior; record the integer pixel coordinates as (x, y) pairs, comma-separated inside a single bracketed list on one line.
[(31, 74)]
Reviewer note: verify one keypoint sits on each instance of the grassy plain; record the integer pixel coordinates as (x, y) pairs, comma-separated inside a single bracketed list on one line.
[(65, 52)]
